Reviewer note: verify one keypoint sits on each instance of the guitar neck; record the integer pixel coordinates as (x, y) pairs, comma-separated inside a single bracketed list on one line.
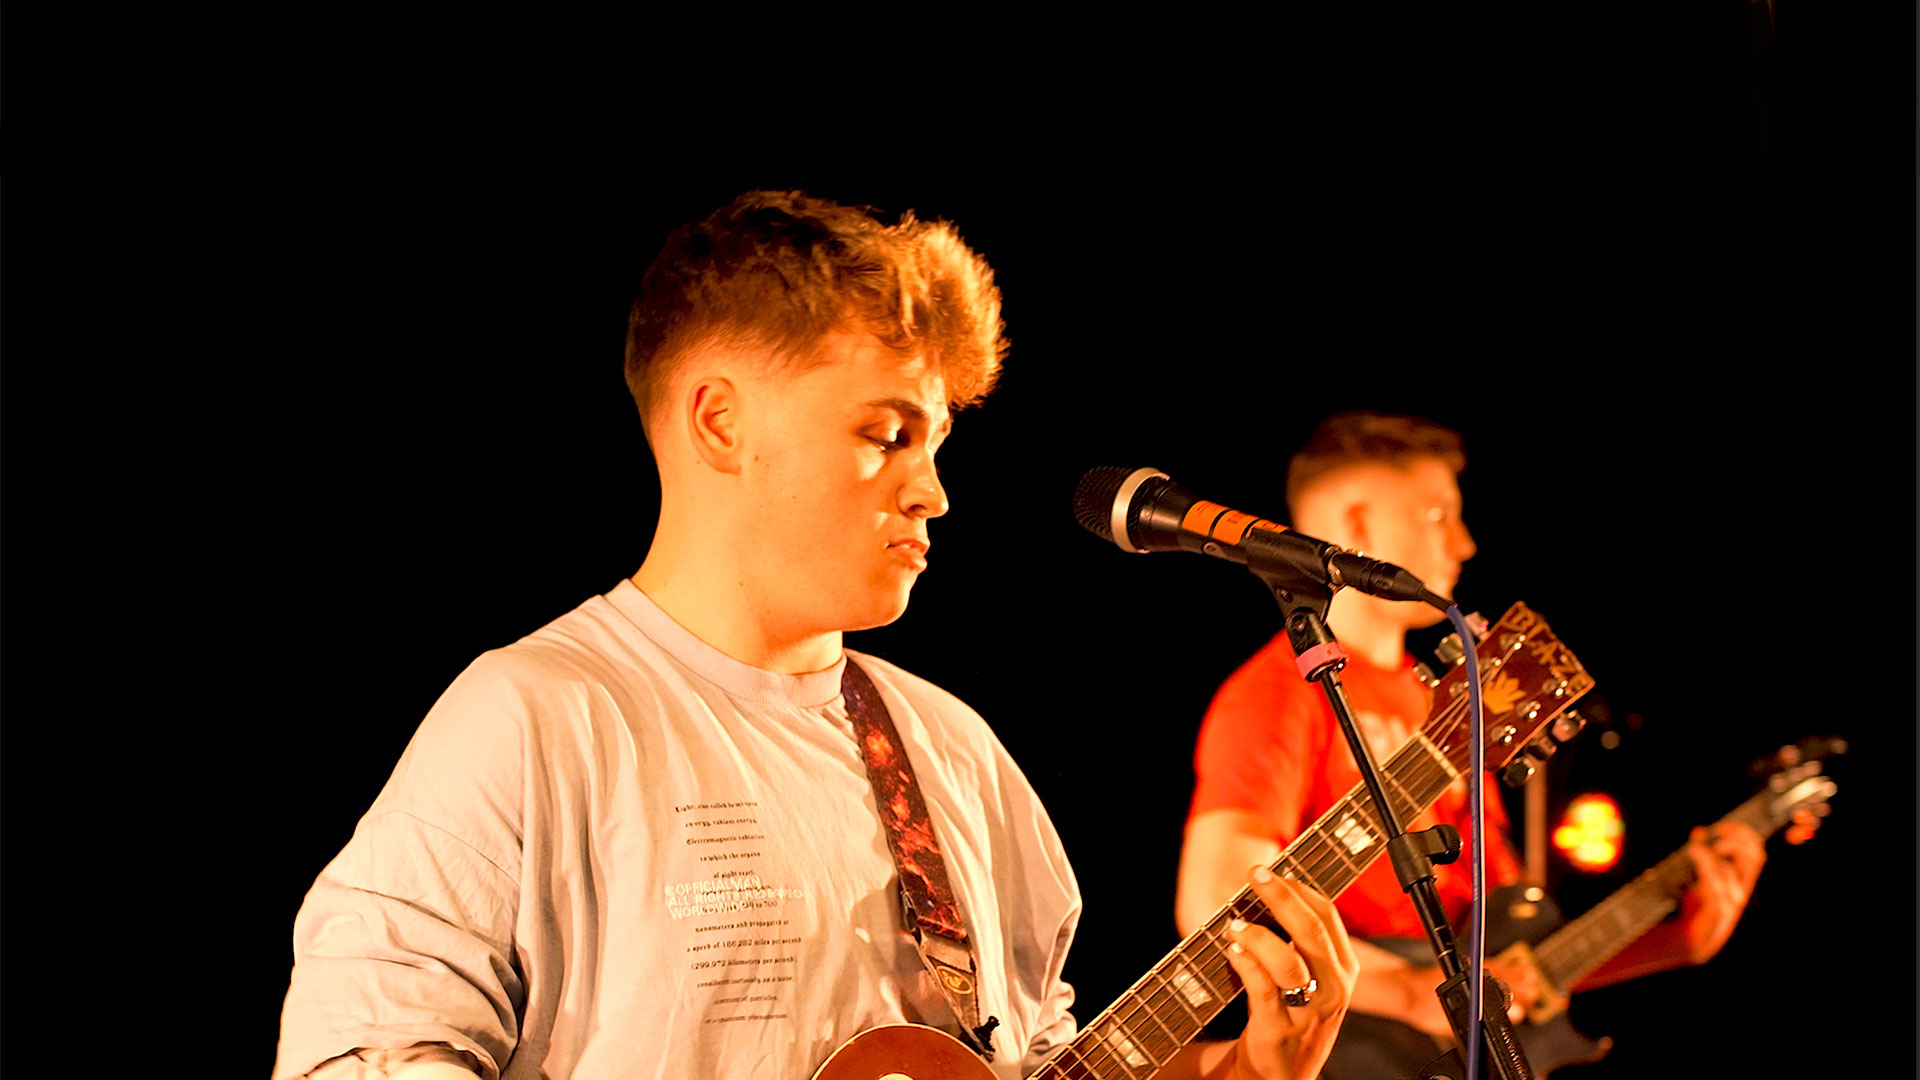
[(1576, 949), (1171, 1004), (1528, 679)]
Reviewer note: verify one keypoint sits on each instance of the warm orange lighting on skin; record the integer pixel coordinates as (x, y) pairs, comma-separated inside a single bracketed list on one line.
[(1590, 833)]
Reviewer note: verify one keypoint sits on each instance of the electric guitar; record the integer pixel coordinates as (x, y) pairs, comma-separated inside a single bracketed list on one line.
[(1528, 680), (1573, 951)]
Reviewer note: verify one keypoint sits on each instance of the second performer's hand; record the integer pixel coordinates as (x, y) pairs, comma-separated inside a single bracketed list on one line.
[(1282, 1040), (1726, 860)]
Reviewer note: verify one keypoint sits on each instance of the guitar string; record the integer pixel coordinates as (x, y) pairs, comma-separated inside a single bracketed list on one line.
[(1577, 947), (1316, 865), (1215, 966), (1422, 768)]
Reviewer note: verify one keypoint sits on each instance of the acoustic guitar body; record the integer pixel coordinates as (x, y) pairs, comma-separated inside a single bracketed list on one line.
[(904, 1052)]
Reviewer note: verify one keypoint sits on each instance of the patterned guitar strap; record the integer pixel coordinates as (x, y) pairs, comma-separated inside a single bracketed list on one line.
[(927, 898)]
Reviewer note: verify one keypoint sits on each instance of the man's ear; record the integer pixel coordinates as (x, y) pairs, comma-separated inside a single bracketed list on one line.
[(713, 422), (1355, 517)]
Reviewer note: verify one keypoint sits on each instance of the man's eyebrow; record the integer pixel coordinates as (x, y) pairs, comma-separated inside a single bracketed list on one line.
[(909, 409)]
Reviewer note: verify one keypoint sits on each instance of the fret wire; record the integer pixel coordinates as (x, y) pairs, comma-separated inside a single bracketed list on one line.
[(1414, 777), (1101, 1034), (1059, 1063), (1326, 858), (1221, 973), (1144, 1003), (1432, 756), (1183, 998), (1178, 997), (1113, 1021), (1417, 775), (1344, 854), (1081, 1060), (1198, 967), (1086, 1055), (1096, 1043), (1359, 809), (1104, 1048), (1172, 1037), (1392, 786), (1224, 970)]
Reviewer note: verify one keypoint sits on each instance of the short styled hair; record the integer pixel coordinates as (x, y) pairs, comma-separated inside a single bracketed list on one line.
[(776, 272), (1352, 438)]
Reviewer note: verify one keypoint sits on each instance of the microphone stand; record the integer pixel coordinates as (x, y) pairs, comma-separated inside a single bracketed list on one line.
[(1320, 658)]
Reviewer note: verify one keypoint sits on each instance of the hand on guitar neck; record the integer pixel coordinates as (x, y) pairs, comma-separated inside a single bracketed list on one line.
[(1147, 1032), (1727, 858), (1283, 1040)]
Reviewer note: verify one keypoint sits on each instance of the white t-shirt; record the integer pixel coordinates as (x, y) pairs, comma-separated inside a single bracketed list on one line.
[(612, 851)]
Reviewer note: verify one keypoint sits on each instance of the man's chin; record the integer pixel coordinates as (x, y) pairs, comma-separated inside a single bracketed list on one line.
[(1420, 616), (883, 613)]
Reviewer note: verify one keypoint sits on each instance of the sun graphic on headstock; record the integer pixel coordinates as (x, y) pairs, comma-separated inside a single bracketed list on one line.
[(1500, 693)]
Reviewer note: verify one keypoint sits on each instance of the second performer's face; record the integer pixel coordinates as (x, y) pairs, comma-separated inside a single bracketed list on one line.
[(1416, 523), (842, 476)]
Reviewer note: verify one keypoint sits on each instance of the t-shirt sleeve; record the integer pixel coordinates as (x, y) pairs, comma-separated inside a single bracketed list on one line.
[(1057, 1024), (407, 936), (1256, 743), (1045, 897)]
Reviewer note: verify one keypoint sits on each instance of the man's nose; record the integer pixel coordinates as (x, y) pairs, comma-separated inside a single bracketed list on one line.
[(1460, 543), (924, 495)]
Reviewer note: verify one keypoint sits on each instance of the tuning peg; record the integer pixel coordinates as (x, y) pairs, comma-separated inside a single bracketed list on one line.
[(1786, 778), (1426, 676), (1817, 748), (1528, 762), (1450, 651), (1518, 772), (1808, 751), (1567, 725), (1477, 623)]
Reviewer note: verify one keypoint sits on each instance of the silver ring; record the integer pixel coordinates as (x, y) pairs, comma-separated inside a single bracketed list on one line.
[(1299, 996)]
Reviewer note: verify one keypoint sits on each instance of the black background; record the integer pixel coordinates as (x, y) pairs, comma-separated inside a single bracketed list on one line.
[(343, 408)]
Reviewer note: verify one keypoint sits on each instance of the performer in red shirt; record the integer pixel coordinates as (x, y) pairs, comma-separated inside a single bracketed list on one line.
[(1272, 759)]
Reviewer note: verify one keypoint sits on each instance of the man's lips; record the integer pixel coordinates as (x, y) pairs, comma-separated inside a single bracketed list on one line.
[(912, 549)]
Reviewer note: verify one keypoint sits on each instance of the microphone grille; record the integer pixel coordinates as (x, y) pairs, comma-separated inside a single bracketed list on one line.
[(1093, 499)]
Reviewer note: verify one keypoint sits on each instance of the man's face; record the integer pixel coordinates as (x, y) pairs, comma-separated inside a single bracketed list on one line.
[(840, 468), (1414, 522)]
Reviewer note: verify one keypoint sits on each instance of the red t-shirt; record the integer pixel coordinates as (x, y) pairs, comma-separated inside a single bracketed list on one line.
[(1270, 745)]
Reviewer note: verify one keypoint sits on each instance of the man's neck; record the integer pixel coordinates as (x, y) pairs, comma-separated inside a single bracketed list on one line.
[(1369, 628), (714, 608)]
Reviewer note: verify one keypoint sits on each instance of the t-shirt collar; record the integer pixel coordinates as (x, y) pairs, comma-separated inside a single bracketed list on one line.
[(742, 680)]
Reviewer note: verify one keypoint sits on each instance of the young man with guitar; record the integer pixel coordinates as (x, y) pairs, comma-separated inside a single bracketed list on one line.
[(671, 833), (1271, 759)]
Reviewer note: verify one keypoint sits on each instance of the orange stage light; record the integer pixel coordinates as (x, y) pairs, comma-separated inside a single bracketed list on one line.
[(1591, 833)]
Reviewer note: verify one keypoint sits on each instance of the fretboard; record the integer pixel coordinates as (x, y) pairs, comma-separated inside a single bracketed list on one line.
[(1576, 949), (1170, 1006)]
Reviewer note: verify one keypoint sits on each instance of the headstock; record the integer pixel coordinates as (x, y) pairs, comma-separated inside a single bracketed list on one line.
[(1796, 795), (1528, 684), (1797, 799)]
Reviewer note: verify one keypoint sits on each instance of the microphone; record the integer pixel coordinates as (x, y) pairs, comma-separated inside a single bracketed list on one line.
[(1142, 510)]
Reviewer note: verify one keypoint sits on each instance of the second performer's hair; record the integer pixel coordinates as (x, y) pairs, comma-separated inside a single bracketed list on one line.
[(773, 273), (1351, 438)]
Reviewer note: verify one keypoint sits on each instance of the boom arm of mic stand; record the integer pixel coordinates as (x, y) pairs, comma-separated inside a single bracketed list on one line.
[(1320, 658)]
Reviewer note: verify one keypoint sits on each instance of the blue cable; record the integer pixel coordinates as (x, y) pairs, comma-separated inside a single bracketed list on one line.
[(1477, 918)]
